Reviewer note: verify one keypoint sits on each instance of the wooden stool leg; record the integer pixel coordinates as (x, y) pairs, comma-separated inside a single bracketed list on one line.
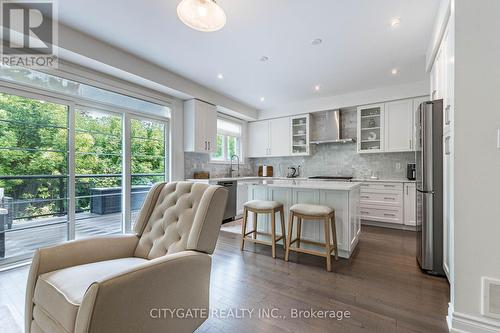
[(254, 225), (327, 245), (299, 230), (283, 229), (244, 228), (334, 233), (273, 234), (288, 239)]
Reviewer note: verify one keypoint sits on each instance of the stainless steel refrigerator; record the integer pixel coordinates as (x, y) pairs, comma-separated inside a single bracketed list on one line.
[(429, 170)]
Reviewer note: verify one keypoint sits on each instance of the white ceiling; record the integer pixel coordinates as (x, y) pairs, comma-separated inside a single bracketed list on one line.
[(359, 46)]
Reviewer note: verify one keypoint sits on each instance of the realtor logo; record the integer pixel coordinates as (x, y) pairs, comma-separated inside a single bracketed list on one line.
[(29, 32)]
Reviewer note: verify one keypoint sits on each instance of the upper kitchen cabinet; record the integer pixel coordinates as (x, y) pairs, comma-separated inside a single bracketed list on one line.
[(258, 138), (200, 126), (371, 128), (269, 138), (388, 127), (279, 134), (300, 135), (399, 126)]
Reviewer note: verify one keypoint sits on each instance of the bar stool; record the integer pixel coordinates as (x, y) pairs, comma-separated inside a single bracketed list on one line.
[(312, 212), (263, 207)]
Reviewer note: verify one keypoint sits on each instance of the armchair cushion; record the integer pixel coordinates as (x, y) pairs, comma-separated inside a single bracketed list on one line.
[(59, 294)]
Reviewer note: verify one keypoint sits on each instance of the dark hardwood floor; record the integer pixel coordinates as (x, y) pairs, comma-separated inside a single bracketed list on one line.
[(380, 286)]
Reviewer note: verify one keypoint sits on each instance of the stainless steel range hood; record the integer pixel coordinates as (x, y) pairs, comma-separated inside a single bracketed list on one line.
[(325, 128)]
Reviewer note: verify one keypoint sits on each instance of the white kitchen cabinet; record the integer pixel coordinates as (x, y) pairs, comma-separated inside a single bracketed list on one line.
[(371, 128), (300, 135), (279, 133), (410, 204), (241, 196), (399, 126), (200, 126), (448, 200), (269, 138), (382, 202), (258, 139)]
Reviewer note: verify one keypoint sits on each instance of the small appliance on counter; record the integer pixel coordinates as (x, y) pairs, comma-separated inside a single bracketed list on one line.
[(411, 171), (201, 175), (265, 171), (293, 172)]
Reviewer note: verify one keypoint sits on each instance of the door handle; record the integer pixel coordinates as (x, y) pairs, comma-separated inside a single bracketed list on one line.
[(447, 147)]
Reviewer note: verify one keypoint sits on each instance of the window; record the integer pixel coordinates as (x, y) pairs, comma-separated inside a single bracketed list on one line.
[(228, 140), (66, 164)]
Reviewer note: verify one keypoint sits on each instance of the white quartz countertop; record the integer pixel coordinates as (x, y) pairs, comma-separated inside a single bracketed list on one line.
[(383, 180), (310, 184), (247, 178), (251, 178)]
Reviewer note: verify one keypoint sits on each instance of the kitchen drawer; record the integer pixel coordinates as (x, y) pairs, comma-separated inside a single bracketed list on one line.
[(389, 215), (394, 198), (382, 186)]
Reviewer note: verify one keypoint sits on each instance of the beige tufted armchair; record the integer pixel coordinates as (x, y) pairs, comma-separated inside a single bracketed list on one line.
[(126, 283)]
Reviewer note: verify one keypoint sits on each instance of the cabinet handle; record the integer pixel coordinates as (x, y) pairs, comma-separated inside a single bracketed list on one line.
[(389, 186), (208, 145), (363, 212), (205, 145), (409, 141), (365, 196), (447, 147), (406, 190), (447, 120), (388, 198), (391, 215)]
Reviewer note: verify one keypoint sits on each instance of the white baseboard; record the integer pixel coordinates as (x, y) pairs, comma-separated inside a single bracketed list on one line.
[(463, 323)]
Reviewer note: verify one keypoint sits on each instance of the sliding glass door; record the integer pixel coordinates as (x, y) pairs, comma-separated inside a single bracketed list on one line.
[(98, 172), (148, 142), (63, 166), (33, 174)]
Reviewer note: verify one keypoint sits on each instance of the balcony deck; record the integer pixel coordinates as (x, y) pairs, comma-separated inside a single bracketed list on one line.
[(24, 241)]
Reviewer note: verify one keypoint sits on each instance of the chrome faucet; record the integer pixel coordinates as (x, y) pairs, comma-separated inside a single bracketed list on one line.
[(237, 165)]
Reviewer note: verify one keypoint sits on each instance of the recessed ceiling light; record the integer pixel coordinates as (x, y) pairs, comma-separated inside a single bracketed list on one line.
[(316, 41), (317, 87), (395, 22), (395, 71), (220, 76), (262, 99), (264, 58)]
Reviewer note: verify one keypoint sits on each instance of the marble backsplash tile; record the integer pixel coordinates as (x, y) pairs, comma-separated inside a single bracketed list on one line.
[(326, 159), (341, 159)]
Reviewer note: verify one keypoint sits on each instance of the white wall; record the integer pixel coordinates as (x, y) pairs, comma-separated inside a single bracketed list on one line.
[(356, 98), (477, 158), (177, 141)]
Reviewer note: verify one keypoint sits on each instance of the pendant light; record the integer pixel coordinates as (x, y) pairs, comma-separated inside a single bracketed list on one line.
[(201, 15)]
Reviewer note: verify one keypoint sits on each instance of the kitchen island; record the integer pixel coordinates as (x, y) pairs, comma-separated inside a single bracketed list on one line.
[(344, 197)]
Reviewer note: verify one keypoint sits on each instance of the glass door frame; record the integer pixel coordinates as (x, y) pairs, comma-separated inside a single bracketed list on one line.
[(128, 171), (73, 103), (25, 93)]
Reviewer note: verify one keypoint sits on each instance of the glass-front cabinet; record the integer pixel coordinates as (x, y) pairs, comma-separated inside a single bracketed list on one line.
[(300, 135), (371, 128)]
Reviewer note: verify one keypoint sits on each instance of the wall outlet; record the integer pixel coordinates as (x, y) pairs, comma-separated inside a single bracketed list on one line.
[(398, 166)]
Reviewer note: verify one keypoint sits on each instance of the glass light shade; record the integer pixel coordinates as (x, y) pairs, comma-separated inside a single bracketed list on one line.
[(201, 15)]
